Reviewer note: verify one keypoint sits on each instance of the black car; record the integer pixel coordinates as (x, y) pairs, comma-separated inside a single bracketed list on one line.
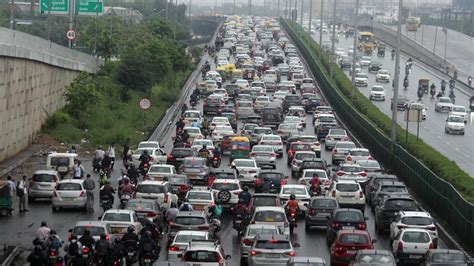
[(264, 200), (388, 208), (385, 189), (291, 100), (225, 174), (276, 179), (323, 130), (344, 219), (254, 119), (177, 155), (232, 90), (181, 185), (402, 103), (316, 163), (290, 140), (374, 180), (312, 104), (277, 59), (319, 209), (450, 257), (375, 66), (346, 62), (211, 106)]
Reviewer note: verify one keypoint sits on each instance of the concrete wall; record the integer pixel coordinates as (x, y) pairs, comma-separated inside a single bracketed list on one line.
[(33, 75)]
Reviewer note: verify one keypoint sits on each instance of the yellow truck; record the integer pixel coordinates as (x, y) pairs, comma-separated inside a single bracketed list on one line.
[(366, 42)]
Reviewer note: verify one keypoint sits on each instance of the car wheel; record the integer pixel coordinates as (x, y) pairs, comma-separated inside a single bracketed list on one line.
[(307, 227), (31, 200), (462, 133), (224, 196)]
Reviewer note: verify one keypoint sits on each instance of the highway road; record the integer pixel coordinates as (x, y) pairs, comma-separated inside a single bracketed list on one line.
[(455, 147), (19, 229)]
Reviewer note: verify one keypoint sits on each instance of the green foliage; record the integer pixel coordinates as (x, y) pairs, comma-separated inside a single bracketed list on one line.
[(56, 119), (81, 94)]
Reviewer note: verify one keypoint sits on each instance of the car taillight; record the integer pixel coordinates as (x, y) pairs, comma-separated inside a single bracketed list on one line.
[(254, 253), (291, 253), (107, 237), (203, 227), (183, 188), (340, 173), (252, 154), (283, 182), (83, 194), (335, 225), (361, 195), (165, 198), (370, 158), (317, 144), (174, 248), (333, 193), (364, 174), (431, 246), (321, 129), (361, 226), (400, 227), (151, 214), (348, 158), (247, 242), (400, 246), (169, 158), (85, 250), (236, 193), (52, 253), (335, 151), (294, 162), (339, 250), (152, 158), (312, 211)]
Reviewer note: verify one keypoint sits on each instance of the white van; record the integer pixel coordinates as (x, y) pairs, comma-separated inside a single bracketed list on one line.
[(61, 162)]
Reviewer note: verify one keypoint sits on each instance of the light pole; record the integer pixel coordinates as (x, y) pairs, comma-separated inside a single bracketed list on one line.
[(12, 14), (397, 75), (175, 19), (333, 38), (445, 30), (278, 9), (321, 26), (310, 16), (233, 9), (250, 7), (301, 11), (189, 18), (290, 12), (355, 49)]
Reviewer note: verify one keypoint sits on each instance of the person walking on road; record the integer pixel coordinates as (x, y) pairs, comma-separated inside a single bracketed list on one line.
[(126, 149), (11, 186), (21, 193), (111, 151), (42, 233), (78, 170), (89, 185)]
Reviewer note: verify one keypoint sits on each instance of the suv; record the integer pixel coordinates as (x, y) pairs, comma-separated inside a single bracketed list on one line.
[(211, 106), (340, 150), (388, 208), (227, 191), (414, 219), (348, 194), (387, 188), (374, 180), (275, 177), (271, 250), (161, 191), (42, 184), (205, 252)]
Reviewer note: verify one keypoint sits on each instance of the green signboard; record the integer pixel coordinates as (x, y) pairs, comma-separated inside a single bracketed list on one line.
[(90, 7), (57, 6)]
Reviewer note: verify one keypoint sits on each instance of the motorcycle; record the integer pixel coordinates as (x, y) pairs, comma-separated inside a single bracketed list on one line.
[(205, 132), (96, 165), (130, 252), (215, 226), (144, 168), (106, 203), (147, 259), (124, 198), (52, 256), (315, 190), (193, 103), (215, 161), (239, 225), (432, 92), (292, 220), (452, 97)]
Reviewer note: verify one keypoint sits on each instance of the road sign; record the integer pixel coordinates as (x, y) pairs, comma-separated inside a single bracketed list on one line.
[(145, 103), (71, 34), (413, 115), (57, 6), (90, 7)]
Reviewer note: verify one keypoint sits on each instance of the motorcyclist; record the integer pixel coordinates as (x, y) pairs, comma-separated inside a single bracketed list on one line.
[(184, 108), (393, 54), (433, 89), (150, 227), (405, 82), (217, 154), (42, 234), (194, 99), (127, 188), (186, 207), (241, 210), (72, 249), (420, 93), (130, 237), (106, 163), (196, 124), (443, 85), (147, 246), (455, 75), (452, 96), (204, 152), (87, 240), (132, 173), (53, 242), (118, 252), (107, 191), (245, 196), (315, 183), (103, 248), (37, 257), (469, 81), (292, 205), (98, 157), (102, 177), (205, 124), (180, 124), (452, 83), (171, 212), (440, 94), (216, 209)]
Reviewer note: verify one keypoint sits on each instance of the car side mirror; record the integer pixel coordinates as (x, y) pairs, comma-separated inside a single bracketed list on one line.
[(306, 204), (374, 241), (228, 257)]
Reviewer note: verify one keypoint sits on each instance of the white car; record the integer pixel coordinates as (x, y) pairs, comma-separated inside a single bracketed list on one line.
[(227, 191), (200, 198), (160, 172), (279, 96), (274, 141), (361, 79), (120, 220), (411, 245), (149, 144), (358, 154), (377, 93), (382, 76), (260, 103), (157, 155), (194, 133), (339, 52), (69, 193), (443, 104), (191, 116), (365, 61), (271, 215), (348, 194), (247, 169), (301, 193), (219, 121), (214, 75), (300, 112), (308, 175), (199, 143), (220, 131), (460, 111), (243, 85), (313, 141), (298, 159), (222, 93), (181, 242), (264, 155), (418, 106), (413, 219), (293, 120), (161, 191), (454, 125)]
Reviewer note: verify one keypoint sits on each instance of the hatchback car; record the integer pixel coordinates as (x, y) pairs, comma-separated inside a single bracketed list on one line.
[(346, 171), (271, 250), (250, 233), (244, 109), (319, 210), (411, 245), (120, 220), (177, 155), (334, 136), (440, 257), (383, 76), (287, 130), (69, 193), (264, 200), (346, 245), (205, 252), (194, 220), (200, 198), (181, 242), (272, 140), (443, 104), (344, 219), (42, 184), (370, 166), (298, 159), (275, 178), (454, 125), (377, 93), (340, 150), (271, 215), (414, 219)]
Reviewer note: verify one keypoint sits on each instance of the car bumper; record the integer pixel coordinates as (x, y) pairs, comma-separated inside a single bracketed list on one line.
[(339, 158), (360, 206), (412, 257), (386, 80), (76, 203), (267, 261), (377, 97), (317, 220), (270, 163), (32, 193), (456, 130)]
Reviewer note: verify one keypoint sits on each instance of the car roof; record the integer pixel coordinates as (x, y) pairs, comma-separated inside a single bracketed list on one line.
[(46, 172), (235, 181), (192, 232), (415, 213), (91, 223), (348, 165), (353, 231), (390, 182), (293, 186), (269, 208), (152, 182), (119, 211), (75, 181)]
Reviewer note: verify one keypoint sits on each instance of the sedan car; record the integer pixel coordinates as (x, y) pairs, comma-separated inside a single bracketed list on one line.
[(261, 102), (181, 242), (219, 133), (194, 220), (196, 169), (334, 136), (264, 155), (382, 76), (357, 154), (199, 143), (146, 209), (69, 193), (273, 140), (298, 159), (160, 172), (377, 93), (417, 106), (461, 111), (444, 104), (374, 67), (244, 109), (271, 250), (271, 215), (300, 192), (340, 150), (120, 220), (247, 170), (361, 79), (454, 125), (370, 166), (177, 155), (258, 132), (313, 141), (95, 228), (250, 233), (365, 61), (200, 198), (319, 209), (286, 130), (344, 219), (440, 257)]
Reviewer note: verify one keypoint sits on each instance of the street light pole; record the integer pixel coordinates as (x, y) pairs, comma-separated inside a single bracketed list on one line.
[(166, 9), (445, 42), (333, 38), (286, 9), (190, 19), (354, 49), (233, 9), (12, 14), (321, 26), (435, 38), (175, 19), (71, 18), (278, 9), (310, 16), (301, 11), (397, 75), (290, 13)]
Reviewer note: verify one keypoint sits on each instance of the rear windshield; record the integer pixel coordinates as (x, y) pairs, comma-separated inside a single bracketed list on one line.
[(324, 203), (349, 216), (417, 221), (262, 231), (314, 165), (117, 217), (360, 153), (160, 169), (270, 217), (150, 189), (308, 139), (294, 190), (189, 220), (376, 259), (245, 104), (448, 258), (44, 178), (302, 156), (353, 239), (187, 238), (394, 189), (326, 119), (55, 161), (272, 175), (69, 187), (94, 230), (416, 237), (136, 205), (264, 244), (199, 196), (401, 204), (225, 186), (301, 147), (244, 163), (347, 187), (264, 201), (181, 153), (202, 256), (351, 168), (225, 175)]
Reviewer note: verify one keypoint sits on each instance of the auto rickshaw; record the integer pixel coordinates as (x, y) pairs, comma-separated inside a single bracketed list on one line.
[(228, 71), (226, 144), (237, 74), (221, 71), (381, 50), (471, 103), (5, 199), (240, 148), (424, 84)]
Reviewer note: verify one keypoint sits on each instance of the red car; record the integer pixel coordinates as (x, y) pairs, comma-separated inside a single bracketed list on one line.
[(297, 146), (346, 245), (226, 144)]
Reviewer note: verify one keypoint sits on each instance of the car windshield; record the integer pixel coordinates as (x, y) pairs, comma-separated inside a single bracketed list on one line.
[(185, 239), (448, 258), (244, 164), (245, 104), (272, 244), (376, 259), (300, 147), (160, 169), (44, 178), (260, 148), (194, 162), (394, 189), (353, 239), (249, 127), (294, 190), (347, 187), (417, 221), (270, 216), (457, 119), (319, 174), (202, 256), (262, 231), (189, 220), (199, 195), (201, 142), (69, 187), (191, 115), (271, 138), (377, 89), (458, 109), (326, 119), (225, 186), (117, 217), (181, 152), (416, 237), (369, 163), (288, 126), (324, 203), (313, 164), (272, 175), (150, 189), (94, 230), (264, 201), (138, 205)]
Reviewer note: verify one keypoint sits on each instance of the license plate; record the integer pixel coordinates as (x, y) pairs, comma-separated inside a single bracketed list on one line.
[(271, 255), (192, 176), (68, 199), (348, 227), (130, 254), (117, 230), (198, 207), (415, 256), (269, 220), (147, 260), (351, 251)]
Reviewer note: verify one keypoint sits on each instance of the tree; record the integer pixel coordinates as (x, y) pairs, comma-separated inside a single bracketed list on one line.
[(81, 94)]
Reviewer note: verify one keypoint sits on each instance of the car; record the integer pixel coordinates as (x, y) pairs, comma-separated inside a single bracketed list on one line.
[(368, 257), (222, 93), (294, 147), (42, 184), (271, 215), (69, 193), (454, 125), (120, 220), (348, 193), (414, 219), (258, 132), (316, 163), (298, 159), (227, 191), (361, 79), (276, 179), (334, 136), (375, 67), (401, 104), (157, 155), (370, 166), (320, 118), (373, 183), (254, 119), (286, 130), (149, 144), (382, 76), (344, 219), (279, 96), (211, 105), (291, 100), (356, 154), (194, 133), (262, 200), (387, 188), (306, 261), (197, 144), (200, 198), (377, 93), (340, 150), (274, 141), (195, 169), (339, 52), (261, 102), (308, 175), (219, 132), (320, 208), (271, 250), (388, 207), (160, 172), (243, 85), (188, 220), (247, 170), (177, 155), (301, 193), (250, 234), (161, 191), (225, 174), (146, 209), (443, 104), (313, 141), (347, 171), (264, 155), (460, 111), (191, 116), (219, 121), (418, 106), (444, 257), (365, 61), (346, 245), (411, 245), (95, 228), (247, 129), (180, 243), (298, 111), (205, 252), (346, 62)]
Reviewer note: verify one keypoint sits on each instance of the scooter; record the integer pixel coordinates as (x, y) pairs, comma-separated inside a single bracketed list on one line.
[(215, 227), (215, 161), (106, 203), (292, 220), (239, 224), (124, 198)]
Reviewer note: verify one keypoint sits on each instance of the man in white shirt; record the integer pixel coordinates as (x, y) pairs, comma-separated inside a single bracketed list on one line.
[(43, 232), (11, 186), (111, 151), (21, 193)]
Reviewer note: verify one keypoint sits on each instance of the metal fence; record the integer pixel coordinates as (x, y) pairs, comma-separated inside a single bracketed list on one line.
[(439, 195)]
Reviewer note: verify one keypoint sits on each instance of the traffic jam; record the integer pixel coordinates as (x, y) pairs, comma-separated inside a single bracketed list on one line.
[(261, 172)]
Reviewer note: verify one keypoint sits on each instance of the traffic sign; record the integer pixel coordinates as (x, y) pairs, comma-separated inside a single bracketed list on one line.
[(71, 34), (90, 7), (145, 103), (57, 6)]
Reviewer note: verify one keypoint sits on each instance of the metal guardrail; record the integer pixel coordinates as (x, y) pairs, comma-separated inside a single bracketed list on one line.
[(439, 195)]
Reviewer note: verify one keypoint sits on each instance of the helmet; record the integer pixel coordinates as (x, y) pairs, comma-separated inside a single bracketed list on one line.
[(204, 146), (130, 229), (52, 232), (87, 232), (103, 236), (145, 152), (292, 197), (246, 189)]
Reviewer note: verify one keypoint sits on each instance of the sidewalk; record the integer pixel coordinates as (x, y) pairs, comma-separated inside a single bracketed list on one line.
[(7, 166)]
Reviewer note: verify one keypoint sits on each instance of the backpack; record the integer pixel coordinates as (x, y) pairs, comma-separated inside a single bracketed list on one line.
[(73, 249), (148, 247), (218, 210), (185, 208), (54, 244)]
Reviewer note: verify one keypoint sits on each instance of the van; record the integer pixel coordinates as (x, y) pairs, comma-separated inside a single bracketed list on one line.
[(272, 115), (61, 162)]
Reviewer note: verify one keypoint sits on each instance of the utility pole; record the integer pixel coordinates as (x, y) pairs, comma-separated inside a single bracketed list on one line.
[(96, 26), (190, 18), (333, 39), (301, 11), (445, 42), (12, 14), (310, 16), (286, 9), (321, 26), (290, 13), (397, 75), (264, 8), (215, 7), (250, 7), (278, 9), (71, 19), (355, 49), (233, 9), (166, 9), (435, 38)]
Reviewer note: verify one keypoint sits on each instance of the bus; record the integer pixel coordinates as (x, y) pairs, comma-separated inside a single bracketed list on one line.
[(412, 24), (366, 40)]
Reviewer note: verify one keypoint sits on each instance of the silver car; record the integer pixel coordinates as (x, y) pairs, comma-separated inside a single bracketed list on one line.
[(69, 193), (341, 149), (287, 130), (42, 184), (244, 109), (298, 159), (269, 250), (96, 228), (258, 132), (264, 155), (251, 232), (334, 136)]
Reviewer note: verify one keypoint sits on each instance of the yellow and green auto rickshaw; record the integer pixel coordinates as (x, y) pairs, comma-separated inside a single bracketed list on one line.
[(424, 84), (240, 148)]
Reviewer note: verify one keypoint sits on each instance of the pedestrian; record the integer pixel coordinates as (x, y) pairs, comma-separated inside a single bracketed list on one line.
[(89, 186), (126, 149), (11, 186), (42, 233), (73, 149), (111, 151), (78, 169), (21, 193)]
